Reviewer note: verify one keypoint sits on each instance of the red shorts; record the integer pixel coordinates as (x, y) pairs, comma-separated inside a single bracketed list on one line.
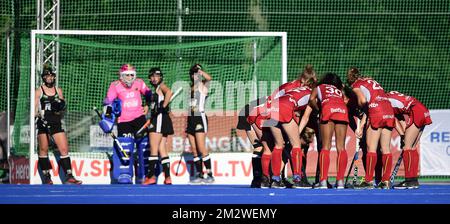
[(419, 115), (260, 119), (334, 112), (381, 114), (283, 111), (254, 113)]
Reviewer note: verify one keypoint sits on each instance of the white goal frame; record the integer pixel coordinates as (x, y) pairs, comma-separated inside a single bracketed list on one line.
[(33, 71)]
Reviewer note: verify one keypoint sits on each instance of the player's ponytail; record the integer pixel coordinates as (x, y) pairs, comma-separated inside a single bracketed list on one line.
[(352, 75)]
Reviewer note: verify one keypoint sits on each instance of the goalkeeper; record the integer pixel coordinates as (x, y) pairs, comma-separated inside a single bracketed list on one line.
[(50, 105), (124, 101)]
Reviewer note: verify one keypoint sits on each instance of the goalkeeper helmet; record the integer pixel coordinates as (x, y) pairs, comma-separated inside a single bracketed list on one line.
[(153, 72), (45, 73), (127, 74)]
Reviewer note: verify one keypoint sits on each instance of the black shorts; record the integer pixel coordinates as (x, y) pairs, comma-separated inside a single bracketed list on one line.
[(161, 123), (129, 129), (51, 128), (197, 124), (242, 120)]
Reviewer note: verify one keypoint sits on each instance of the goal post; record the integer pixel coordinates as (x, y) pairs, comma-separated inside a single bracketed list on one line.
[(244, 66)]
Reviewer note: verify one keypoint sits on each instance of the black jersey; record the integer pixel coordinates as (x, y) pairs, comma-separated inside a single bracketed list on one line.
[(45, 106), (157, 102)]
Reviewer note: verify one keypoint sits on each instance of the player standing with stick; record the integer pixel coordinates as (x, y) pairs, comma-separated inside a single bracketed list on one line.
[(418, 118), (50, 106), (372, 100), (160, 127)]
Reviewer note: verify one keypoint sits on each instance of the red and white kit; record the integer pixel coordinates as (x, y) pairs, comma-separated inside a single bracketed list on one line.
[(417, 113), (381, 113), (332, 103)]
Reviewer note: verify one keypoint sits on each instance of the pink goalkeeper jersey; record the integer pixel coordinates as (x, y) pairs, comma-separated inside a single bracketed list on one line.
[(131, 98)]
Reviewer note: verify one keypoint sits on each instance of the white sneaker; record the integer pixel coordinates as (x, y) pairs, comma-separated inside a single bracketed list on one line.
[(340, 184), (209, 180)]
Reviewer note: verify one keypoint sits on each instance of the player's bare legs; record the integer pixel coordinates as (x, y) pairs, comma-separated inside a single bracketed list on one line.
[(342, 157)]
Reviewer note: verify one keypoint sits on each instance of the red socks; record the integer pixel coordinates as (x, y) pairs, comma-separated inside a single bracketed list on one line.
[(387, 167), (265, 162), (414, 163), (276, 161), (296, 155), (371, 161)]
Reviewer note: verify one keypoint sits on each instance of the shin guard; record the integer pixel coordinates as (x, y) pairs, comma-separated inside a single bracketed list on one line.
[(122, 166), (142, 165)]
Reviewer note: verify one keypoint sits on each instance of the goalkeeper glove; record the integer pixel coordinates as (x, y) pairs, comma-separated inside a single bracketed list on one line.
[(58, 105), (107, 123)]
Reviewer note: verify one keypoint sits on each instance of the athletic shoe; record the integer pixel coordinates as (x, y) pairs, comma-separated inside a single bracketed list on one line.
[(409, 183), (340, 184), (384, 185), (265, 182), (301, 184), (196, 180), (321, 185), (287, 183), (414, 183), (256, 182), (168, 181), (365, 185), (71, 180), (149, 181), (277, 184), (209, 179), (47, 179)]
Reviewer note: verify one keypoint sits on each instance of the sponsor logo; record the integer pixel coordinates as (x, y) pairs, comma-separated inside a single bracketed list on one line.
[(337, 110), (381, 98), (198, 127), (388, 116), (373, 105)]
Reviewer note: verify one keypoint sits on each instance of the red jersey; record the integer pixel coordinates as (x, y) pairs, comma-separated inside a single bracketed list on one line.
[(283, 109), (381, 113), (370, 88), (333, 106), (329, 94), (283, 89), (400, 102), (417, 113)]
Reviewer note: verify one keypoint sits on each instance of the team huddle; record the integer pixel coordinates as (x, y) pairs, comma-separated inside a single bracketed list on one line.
[(281, 126)]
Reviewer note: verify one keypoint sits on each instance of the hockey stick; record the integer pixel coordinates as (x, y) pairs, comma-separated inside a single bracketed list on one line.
[(113, 136), (147, 123), (396, 168), (355, 157)]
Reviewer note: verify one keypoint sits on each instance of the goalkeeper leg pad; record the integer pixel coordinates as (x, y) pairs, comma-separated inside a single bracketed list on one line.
[(143, 150), (122, 166)]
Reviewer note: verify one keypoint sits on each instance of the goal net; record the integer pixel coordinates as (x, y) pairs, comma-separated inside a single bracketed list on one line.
[(244, 66)]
